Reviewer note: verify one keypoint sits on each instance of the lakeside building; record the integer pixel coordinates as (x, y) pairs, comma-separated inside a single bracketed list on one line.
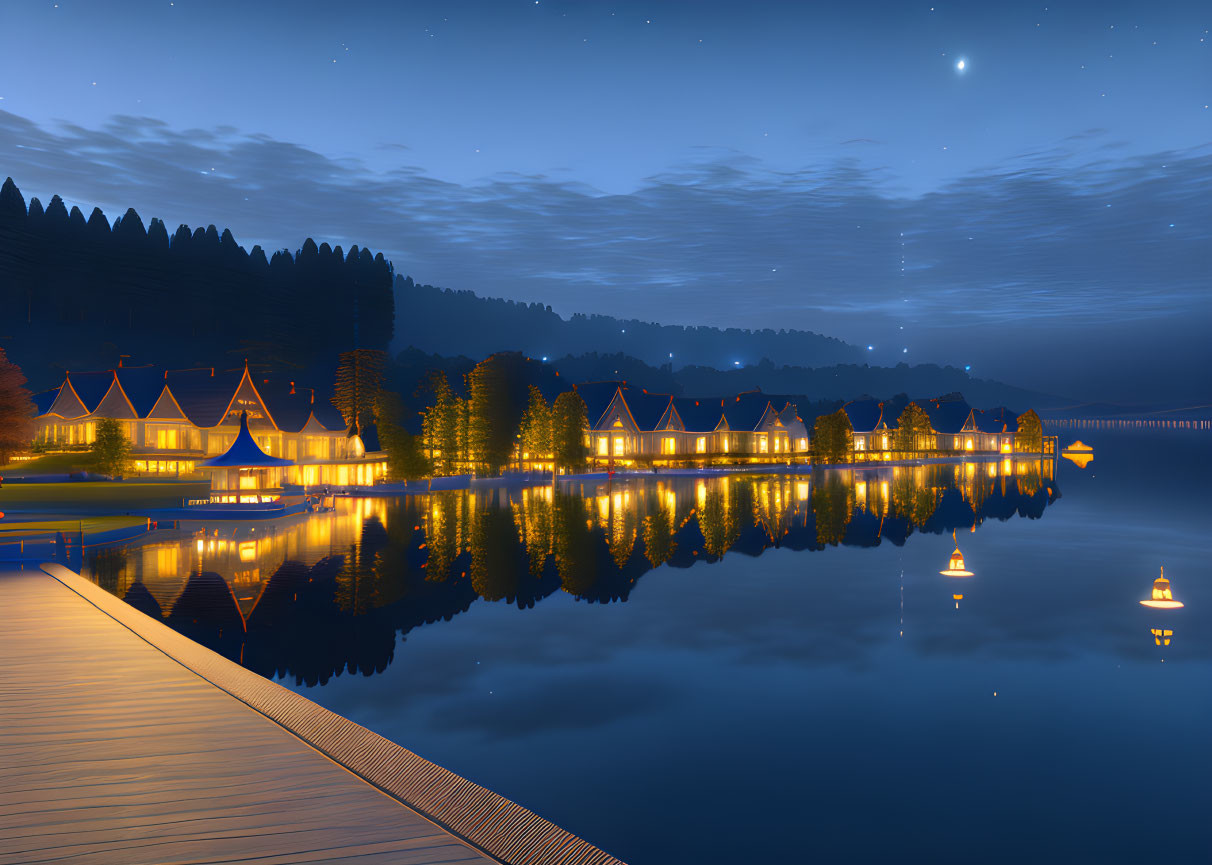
[(627, 424), (176, 419), (955, 427)]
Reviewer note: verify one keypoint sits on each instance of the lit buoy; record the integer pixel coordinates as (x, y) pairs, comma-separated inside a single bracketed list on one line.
[(1162, 598), (955, 567)]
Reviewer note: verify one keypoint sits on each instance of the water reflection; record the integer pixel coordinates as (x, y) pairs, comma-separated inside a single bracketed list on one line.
[(328, 593)]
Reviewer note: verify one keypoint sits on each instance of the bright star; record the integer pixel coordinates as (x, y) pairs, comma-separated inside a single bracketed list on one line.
[(961, 65)]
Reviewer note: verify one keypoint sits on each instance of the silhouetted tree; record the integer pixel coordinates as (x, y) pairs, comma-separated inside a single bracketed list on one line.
[(358, 385), (16, 410)]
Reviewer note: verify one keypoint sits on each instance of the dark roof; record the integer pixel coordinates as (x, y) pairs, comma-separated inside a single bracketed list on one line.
[(43, 401), (699, 415), (996, 420), (244, 452), (646, 408), (290, 411), (91, 387), (142, 386), (203, 396), (597, 396), (946, 416), (864, 414), (745, 410), (329, 415)]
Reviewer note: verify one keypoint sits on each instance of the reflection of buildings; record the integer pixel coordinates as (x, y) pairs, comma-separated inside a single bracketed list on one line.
[(319, 594)]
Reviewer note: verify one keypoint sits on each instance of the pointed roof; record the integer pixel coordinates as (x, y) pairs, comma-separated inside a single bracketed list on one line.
[(745, 411), (91, 387), (43, 401), (996, 420), (865, 414), (699, 415), (646, 408), (244, 453), (142, 386), (946, 415), (203, 394), (597, 396)]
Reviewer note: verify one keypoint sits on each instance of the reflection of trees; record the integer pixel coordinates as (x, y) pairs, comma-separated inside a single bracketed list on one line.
[(718, 521), (833, 505), (658, 531), (575, 544), (912, 499), (423, 559), (498, 561)]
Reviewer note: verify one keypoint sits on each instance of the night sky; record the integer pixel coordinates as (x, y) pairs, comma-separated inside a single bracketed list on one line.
[(1042, 213)]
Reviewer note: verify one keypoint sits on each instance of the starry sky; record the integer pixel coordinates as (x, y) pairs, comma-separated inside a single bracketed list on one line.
[(1040, 213)]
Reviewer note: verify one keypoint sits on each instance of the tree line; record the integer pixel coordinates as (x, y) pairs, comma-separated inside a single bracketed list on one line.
[(101, 289)]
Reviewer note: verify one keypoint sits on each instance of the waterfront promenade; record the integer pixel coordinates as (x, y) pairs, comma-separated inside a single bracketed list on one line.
[(122, 741)]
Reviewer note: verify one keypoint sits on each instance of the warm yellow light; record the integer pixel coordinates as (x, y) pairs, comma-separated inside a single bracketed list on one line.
[(1163, 598)]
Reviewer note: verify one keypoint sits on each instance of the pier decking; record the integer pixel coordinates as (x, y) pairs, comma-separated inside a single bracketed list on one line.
[(122, 741)]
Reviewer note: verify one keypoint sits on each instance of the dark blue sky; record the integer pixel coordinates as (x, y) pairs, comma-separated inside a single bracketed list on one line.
[(767, 164)]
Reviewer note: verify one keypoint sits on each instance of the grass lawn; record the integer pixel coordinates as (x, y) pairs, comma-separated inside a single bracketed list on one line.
[(50, 464), (120, 496), (88, 525)]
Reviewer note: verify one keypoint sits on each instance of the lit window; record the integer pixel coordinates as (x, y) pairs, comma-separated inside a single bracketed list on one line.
[(884, 442), (603, 446), (802, 445), (724, 442), (763, 445), (778, 444), (860, 443), (618, 445), (968, 445), (668, 445), (700, 445)]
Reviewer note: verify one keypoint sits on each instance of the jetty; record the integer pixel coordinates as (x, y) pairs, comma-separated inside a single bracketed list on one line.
[(122, 741)]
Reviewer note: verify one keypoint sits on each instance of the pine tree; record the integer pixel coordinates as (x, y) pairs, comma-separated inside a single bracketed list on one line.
[(912, 430), (358, 385), (111, 448), (16, 410), (536, 430), (569, 420), (833, 437), (439, 436)]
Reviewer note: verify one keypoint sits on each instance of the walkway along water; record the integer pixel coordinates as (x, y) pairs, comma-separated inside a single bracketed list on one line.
[(122, 741)]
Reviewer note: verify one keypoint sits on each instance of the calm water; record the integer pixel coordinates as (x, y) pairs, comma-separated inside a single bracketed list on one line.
[(761, 669)]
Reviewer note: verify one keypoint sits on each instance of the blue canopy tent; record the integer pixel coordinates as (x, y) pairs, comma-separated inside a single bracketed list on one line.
[(244, 468)]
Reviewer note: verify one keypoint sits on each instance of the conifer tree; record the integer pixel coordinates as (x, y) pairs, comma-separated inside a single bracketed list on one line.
[(16, 410), (569, 420), (358, 385), (111, 448), (913, 430)]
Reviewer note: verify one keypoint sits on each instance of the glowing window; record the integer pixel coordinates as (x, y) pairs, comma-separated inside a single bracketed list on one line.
[(802, 445), (700, 445), (763, 445), (603, 446), (618, 445), (724, 443), (860, 443)]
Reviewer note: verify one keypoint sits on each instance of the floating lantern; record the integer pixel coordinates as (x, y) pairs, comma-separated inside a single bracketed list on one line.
[(1162, 598), (955, 567)]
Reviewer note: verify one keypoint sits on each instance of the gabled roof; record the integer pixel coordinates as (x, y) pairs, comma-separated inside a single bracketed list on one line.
[(946, 416), (597, 396), (865, 414), (646, 408), (244, 452), (43, 401), (670, 419), (203, 394), (91, 387), (745, 410), (700, 415), (793, 422), (329, 415), (115, 404), (142, 386), (996, 420)]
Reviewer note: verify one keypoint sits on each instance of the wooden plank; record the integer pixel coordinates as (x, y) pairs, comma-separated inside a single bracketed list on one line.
[(122, 741)]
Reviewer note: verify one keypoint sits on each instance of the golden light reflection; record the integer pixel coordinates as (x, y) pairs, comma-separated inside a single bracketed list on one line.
[(1161, 636), (956, 567)]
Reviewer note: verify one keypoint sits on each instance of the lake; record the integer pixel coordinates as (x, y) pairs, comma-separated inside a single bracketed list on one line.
[(760, 668)]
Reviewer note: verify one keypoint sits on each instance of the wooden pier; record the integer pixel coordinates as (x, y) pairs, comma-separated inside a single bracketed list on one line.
[(122, 741)]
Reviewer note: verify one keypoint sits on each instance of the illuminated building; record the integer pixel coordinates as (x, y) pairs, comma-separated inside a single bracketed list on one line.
[(627, 423), (176, 419)]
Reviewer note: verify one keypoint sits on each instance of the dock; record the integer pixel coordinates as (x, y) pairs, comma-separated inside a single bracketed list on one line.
[(122, 741)]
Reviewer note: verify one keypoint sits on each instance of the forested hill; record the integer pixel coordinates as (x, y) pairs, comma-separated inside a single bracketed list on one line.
[(77, 293), (459, 322)]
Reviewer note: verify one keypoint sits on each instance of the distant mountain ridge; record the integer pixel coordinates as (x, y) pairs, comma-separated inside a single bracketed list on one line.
[(449, 322)]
